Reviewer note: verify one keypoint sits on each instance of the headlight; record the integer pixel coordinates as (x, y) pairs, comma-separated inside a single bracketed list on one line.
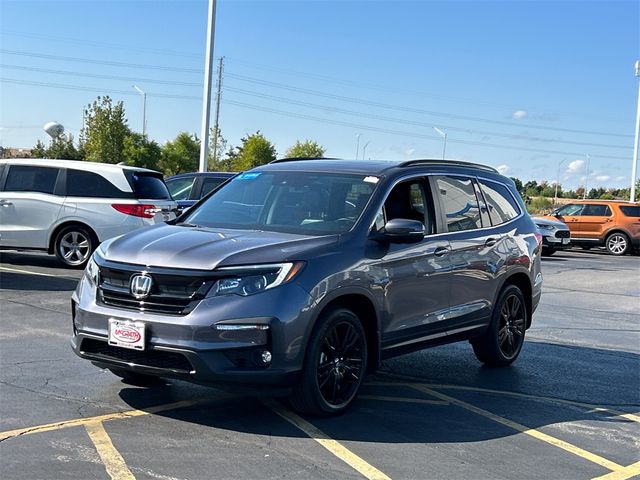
[(92, 272), (249, 280), (545, 227)]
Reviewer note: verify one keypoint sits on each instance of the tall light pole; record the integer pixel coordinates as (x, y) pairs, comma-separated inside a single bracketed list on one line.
[(586, 178), (443, 135), (634, 168), (206, 97), (555, 196), (358, 145), (364, 149), (144, 109)]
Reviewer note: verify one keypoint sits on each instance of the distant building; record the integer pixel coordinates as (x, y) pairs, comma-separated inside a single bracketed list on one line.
[(8, 152)]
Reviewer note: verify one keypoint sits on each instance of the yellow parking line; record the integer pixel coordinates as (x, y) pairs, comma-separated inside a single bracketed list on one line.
[(404, 400), (113, 461), (622, 474), (99, 418), (539, 398), (335, 447), (592, 457), (17, 270)]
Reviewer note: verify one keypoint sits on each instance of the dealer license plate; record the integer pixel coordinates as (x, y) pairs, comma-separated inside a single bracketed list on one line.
[(565, 241), (126, 334)]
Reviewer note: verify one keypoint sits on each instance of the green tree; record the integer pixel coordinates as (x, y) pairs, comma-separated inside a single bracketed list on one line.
[(221, 162), (255, 150), (519, 185), (39, 151), (181, 154), (139, 151), (105, 129), (547, 190), (306, 149), (63, 148)]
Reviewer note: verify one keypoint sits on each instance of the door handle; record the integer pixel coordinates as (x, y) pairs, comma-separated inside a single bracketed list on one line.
[(490, 242), (441, 251), (5, 203)]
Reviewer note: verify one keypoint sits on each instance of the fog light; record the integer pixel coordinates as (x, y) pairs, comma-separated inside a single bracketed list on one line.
[(266, 357)]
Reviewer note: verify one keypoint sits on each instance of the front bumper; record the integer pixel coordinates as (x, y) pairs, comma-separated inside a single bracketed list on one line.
[(551, 241), (189, 347)]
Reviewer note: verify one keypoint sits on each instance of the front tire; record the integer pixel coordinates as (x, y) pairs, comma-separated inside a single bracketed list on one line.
[(501, 344), (617, 243), (74, 245), (547, 252), (335, 365)]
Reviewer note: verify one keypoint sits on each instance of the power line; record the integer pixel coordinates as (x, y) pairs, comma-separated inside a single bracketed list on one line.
[(99, 62), (412, 109), (409, 134), (415, 123)]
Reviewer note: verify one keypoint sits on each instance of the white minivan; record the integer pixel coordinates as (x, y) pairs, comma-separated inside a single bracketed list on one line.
[(67, 207)]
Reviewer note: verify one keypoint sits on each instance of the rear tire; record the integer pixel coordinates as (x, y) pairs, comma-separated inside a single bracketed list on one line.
[(502, 342), (335, 365), (74, 245), (617, 243), (135, 378)]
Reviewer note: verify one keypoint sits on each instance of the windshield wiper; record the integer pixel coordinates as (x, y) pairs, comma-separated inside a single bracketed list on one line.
[(189, 225)]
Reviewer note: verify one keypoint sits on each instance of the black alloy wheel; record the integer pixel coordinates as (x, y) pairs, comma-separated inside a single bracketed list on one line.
[(335, 365), (502, 342)]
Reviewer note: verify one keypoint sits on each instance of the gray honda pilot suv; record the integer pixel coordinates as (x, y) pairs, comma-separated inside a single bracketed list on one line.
[(302, 275)]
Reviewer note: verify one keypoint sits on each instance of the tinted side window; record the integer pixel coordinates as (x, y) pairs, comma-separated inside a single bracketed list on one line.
[(570, 210), (89, 184), (209, 184), (410, 200), (148, 186), (596, 211), (501, 204), (630, 210), (180, 188), (25, 178), (459, 202)]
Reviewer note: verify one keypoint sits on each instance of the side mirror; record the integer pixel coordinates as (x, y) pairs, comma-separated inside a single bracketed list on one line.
[(401, 230)]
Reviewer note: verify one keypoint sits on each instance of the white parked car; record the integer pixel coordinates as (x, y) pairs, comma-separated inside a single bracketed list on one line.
[(69, 207)]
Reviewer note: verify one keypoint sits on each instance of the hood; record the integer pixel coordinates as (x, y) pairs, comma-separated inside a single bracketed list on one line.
[(549, 220), (196, 248)]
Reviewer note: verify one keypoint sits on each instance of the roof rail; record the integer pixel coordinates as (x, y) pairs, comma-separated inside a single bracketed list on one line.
[(458, 163), (294, 159)]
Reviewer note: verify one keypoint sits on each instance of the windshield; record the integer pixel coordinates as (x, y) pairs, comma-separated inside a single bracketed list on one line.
[(291, 202)]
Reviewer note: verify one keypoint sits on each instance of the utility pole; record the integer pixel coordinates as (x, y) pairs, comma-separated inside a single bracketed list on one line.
[(216, 124), (586, 179), (634, 168), (144, 109), (206, 98)]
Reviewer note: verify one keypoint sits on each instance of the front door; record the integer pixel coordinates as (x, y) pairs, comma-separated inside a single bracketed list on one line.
[(595, 220)]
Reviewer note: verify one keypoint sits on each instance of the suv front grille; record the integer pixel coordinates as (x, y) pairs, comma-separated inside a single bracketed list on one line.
[(563, 234), (171, 293), (146, 358)]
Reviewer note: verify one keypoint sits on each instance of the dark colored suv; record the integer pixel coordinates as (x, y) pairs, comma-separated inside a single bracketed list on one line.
[(188, 188), (306, 274)]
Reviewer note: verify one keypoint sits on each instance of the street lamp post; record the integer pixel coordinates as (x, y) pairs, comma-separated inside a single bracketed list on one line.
[(555, 197), (364, 149), (634, 168), (443, 135), (586, 178), (357, 144), (206, 97), (144, 109)]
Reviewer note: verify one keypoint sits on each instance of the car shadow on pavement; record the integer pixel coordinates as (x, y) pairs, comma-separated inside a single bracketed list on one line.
[(32, 259), (395, 408), (27, 282)]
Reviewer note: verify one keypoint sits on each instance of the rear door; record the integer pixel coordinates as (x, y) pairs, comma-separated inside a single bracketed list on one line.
[(29, 206), (595, 220), (149, 189)]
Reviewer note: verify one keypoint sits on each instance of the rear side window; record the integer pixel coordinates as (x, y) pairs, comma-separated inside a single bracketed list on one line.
[(630, 210), (459, 202), (592, 210), (180, 188), (89, 184), (148, 186), (209, 184), (25, 178), (501, 204)]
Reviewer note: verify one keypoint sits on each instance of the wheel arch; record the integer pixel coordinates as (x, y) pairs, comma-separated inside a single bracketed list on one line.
[(69, 223), (523, 282)]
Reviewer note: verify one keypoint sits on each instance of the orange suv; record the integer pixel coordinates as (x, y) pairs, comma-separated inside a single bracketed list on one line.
[(612, 224)]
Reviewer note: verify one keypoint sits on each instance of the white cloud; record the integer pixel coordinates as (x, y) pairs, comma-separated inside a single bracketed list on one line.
[(620, 178), (603, 178), (575, 166), (503, 169), (519, 114), (409, 151)]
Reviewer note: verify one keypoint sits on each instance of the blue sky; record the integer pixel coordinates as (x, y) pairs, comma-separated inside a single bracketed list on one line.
[(520, 85)]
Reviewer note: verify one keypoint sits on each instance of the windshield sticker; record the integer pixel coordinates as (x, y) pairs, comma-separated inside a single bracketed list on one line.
[(371, 179), (249, 175)]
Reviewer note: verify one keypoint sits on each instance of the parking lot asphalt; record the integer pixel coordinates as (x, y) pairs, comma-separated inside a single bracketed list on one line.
[(569, 408)]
